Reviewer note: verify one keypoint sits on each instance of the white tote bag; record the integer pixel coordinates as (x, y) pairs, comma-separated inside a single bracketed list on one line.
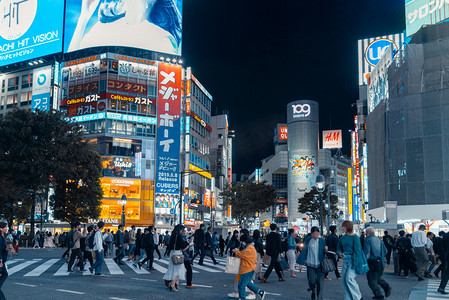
[(232, 265)]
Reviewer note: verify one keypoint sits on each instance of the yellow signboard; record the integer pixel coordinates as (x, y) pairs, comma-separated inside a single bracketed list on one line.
[(350, 191), (201, 172)]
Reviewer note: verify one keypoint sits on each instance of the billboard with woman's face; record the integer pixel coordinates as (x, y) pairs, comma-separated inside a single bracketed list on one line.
[(154, 25)]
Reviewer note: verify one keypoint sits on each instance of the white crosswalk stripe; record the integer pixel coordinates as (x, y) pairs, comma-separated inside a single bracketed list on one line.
[(432, 287), (42, 268), (22, 266), (166, 262), (137, 270), (114, 269)]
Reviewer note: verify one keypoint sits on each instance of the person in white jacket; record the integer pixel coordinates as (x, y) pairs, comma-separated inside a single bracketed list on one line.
[(99, 251)]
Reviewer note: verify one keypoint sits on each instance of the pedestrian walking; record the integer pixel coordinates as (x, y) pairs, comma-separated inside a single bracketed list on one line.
[(120, 246), (332, 244), (419, 241), (228, 239), (148, 243), (142, 244), (312, 256), (389, 244), (350, 249), (209, 246), (431, 254), (15, 242), (438, 248), (175, 271), (291, 251), (403, 246), (75, 247), (88, 245), (156, 242), (55, 239), (445, 271), (99, 250), (221, 245), (131, 242), (274, 250), (199, 241), (215, 242), (187, 258), (375, 251), (166, 243), (247, 267), (260, 253), (3, 257), (137, 250), (36, 239)]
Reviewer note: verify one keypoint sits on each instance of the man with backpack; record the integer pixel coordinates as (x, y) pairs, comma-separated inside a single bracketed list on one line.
[(389, 244), (96, 241), (403, 245), (148, 243), (120, 245), (73, 242)]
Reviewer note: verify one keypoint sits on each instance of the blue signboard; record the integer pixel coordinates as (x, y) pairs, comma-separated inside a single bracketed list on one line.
[(41, 89), (424, 12), (115, 116), (29, 29), (377, 48)]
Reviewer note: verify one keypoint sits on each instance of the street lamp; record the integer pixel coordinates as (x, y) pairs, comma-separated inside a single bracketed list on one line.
[(320, 184), (123, 203)]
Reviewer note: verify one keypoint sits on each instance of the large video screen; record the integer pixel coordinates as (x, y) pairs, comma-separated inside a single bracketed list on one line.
[(154, 25), (29, 29)]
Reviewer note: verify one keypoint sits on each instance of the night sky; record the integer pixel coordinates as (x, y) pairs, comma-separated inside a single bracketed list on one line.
[(254, 57)]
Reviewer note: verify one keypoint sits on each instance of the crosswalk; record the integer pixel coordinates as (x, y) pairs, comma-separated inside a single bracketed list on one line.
[(58, 267), (432, 287)]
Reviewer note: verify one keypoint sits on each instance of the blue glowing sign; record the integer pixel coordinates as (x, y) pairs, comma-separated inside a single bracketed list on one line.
[(377, 48), (114, 116), (29, 30)]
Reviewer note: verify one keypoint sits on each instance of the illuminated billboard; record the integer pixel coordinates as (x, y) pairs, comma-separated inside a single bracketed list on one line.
[(152, 25), (371, 50), (424, 12), (332, 139), (27, 31)]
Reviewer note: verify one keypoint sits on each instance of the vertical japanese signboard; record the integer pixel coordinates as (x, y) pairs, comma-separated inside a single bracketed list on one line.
[(168, 129), (41, 89)]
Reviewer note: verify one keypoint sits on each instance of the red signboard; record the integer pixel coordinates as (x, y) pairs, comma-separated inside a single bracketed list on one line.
[(207, 199), (332, 139), (94, 98), (189, 222), (202, 122), (283, 133)]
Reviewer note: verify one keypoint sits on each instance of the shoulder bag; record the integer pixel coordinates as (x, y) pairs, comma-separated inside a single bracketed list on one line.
[(327, 265), (177, 259), (362, 266)]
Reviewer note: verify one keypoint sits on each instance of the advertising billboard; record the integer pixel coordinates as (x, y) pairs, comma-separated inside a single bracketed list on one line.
[(332, 139), (424, 12), (151, 25), (114, 166), (371, 50), (41, 89), (27, 32), (283, 135), (168, 129), (377, 90)]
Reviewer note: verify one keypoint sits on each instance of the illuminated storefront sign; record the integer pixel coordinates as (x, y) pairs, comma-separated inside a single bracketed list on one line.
[(169, 129), (207, 198), (117, 187), (78, 70), (27, 32), (332, 139), (283, 135), (41, 89), (424, 12), (301, 110), (127, 87), (202, 88), (119, 167), (350, 193), (201, 121), (115, 116), (281, 208), (200, 171), (137, 70)]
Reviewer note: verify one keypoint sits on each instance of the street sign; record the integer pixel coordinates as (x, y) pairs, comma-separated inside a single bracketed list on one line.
[(172, 211)]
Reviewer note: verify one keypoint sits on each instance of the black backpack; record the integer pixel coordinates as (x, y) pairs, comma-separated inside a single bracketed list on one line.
[(147, 240), (126, 238), (69, 239), (284, 245), (90, 240), (389, 242)]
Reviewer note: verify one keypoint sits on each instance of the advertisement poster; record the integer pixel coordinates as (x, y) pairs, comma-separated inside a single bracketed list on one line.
[(424, 12), (119, 167), (152, 25), (27, 32), (168, 129), (302, 166), (41, 89), (332, 139)]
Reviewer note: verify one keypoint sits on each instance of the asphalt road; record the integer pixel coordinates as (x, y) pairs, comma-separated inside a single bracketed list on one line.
[(40, 274)]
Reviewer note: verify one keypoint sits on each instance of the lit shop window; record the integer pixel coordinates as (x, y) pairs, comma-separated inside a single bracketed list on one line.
[(117, 187), (112, 210)]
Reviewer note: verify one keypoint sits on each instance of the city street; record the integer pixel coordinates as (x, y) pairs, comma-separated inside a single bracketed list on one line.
[(40, 274)]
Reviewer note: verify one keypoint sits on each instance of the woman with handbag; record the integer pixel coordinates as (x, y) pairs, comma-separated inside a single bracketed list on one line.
[(350, 249), (176, 270), (291, 251), (312, 256)]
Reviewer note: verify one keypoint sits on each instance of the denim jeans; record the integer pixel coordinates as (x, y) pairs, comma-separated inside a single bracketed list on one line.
[(99, 258), (131, 248), (350, 286), (246, 281), (2, 281)]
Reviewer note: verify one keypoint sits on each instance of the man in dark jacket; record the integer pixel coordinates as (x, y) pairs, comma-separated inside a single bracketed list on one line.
[(119, 243), (445, 275), (148, 243), (403, 245), (332, 243), (389, 244), (3, 257), (273, 249), (209, 247), (438, 247), (199, 242)]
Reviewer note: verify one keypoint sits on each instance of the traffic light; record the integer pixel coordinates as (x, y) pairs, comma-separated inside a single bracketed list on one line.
[(195, 201)]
